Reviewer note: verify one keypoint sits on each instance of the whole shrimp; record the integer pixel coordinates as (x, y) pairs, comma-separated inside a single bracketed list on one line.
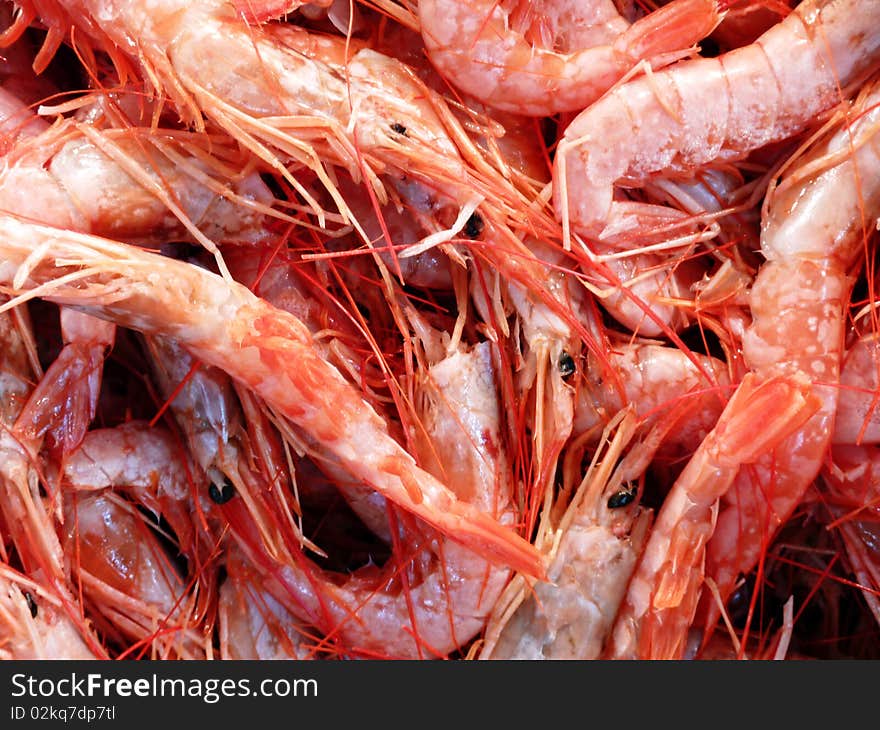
[(798, 306), (486, 47), (225, 325), (439, 591), (670, 123)]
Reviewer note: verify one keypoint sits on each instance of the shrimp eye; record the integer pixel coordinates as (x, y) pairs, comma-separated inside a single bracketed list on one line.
[(399, 128), (622, 498), (221, 494), (474, 226), (566, 364), (31, 603)]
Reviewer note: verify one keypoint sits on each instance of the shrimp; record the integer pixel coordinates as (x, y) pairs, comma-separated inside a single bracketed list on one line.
[(292, 111), (121, 565), (669, 123), (653, 378), (63, 404), (594, 549), (485, 48), (34, 626), (124, 182), (798, 305), (442, 591), (210, 415), (225, 325), (661, 598), (857, 420), (26, 515)]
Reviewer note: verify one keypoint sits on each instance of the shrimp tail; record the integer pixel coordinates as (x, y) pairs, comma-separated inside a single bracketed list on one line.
[(669, 27)]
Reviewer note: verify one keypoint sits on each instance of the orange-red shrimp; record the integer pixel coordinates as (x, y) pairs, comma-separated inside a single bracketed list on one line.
[(709, 109), (266, 349), (526, 60), (435, 595), (661, 598), (815, 226)]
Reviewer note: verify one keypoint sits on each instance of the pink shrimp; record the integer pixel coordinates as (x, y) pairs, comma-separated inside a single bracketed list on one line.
[(121, 566), (798, 305), (271, 351), (669, 124), (485, 47), (661, 598), (441, 590)]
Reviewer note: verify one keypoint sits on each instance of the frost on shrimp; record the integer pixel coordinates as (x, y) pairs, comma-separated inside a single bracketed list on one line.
[(814, 231), (223, 324)]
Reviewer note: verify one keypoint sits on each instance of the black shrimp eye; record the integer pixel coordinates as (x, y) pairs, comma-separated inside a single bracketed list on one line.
[(474, 226), (567, 367), (399, 128), (223, 493), (31, 603), (622, 498)]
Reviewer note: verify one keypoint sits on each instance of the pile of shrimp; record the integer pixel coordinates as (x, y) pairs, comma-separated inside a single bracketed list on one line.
[(468, 329)]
